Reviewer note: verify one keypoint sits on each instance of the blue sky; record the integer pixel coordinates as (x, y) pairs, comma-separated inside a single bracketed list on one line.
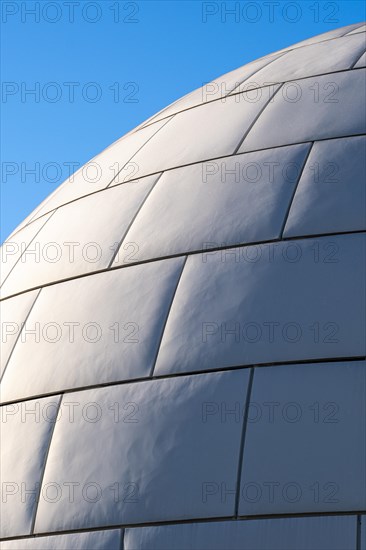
[(98, 69)]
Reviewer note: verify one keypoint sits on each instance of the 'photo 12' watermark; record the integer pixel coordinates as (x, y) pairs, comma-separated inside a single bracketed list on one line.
[(70, 11), (269, 12)]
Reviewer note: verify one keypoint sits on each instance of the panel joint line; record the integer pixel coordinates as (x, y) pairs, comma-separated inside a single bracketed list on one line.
[(44, 466), (255, 120), (357, 60), (358, 533), (20, 332), (139, 149), (132, 221), (242, 442), (167, 317), (294, 191)]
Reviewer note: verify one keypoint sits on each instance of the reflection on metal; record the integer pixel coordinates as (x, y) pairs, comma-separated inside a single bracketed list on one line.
[(183, 321)]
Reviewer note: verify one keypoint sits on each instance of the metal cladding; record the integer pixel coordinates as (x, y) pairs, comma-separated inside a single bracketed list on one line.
[(183, 320)]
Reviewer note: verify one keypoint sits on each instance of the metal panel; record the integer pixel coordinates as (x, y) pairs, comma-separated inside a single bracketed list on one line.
[(94, 540), (13, 313), (25, 429), (81, 237), (305, 445), (316, 59), (112, 164), (335, 33), (285, 301), (361, 62), (331, 195), (205, 132), (363, 533), (286, 119), (310, 533), (13, 249), (240, 199), (166, 444), (93, 330), (361, 28), (217, 88)]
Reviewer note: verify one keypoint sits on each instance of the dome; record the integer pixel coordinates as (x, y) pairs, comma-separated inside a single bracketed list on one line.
[(183, 322)]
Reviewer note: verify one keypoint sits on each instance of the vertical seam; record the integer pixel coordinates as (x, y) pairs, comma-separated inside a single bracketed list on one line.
[(44, 467), (357, 60), (233, 92), (288, 49), (28, 245), (167, 317), (242, 442), (133, 219), (255, 119), (353, 30), (139, 149), (122, 539), (358, 532), (294, 191), (20, 332)]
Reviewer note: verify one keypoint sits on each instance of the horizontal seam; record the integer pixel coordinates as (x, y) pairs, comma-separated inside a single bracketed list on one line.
[(183, 166), (191, 521), (175, 375), (187, 253)]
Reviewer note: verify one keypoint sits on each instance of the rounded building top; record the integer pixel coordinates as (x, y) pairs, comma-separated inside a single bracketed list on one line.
[(218, 167), (210, 259)]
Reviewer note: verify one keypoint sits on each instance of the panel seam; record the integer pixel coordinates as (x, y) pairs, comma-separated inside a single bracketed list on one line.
[(357, 60), (272, 54), (294, 190), (187, 253), (190, 164), (231, 94), (242, 441), (139, 149), (354, 30), (28, 245), (358, 532), (20, 332), (155, 377), (193, 520), (255, 119), (44, 466), (166, 319), (119, 244)]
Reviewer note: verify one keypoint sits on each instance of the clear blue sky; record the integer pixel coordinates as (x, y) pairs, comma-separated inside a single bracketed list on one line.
[(152, 52)]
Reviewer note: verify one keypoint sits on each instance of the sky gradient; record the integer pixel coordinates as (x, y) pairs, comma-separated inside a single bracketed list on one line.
[(77, 75)]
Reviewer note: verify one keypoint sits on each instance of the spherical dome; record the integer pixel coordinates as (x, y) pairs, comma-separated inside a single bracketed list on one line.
[(183, 321)]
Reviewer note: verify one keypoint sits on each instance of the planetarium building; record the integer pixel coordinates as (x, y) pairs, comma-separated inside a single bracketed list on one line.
[(183, 325)]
